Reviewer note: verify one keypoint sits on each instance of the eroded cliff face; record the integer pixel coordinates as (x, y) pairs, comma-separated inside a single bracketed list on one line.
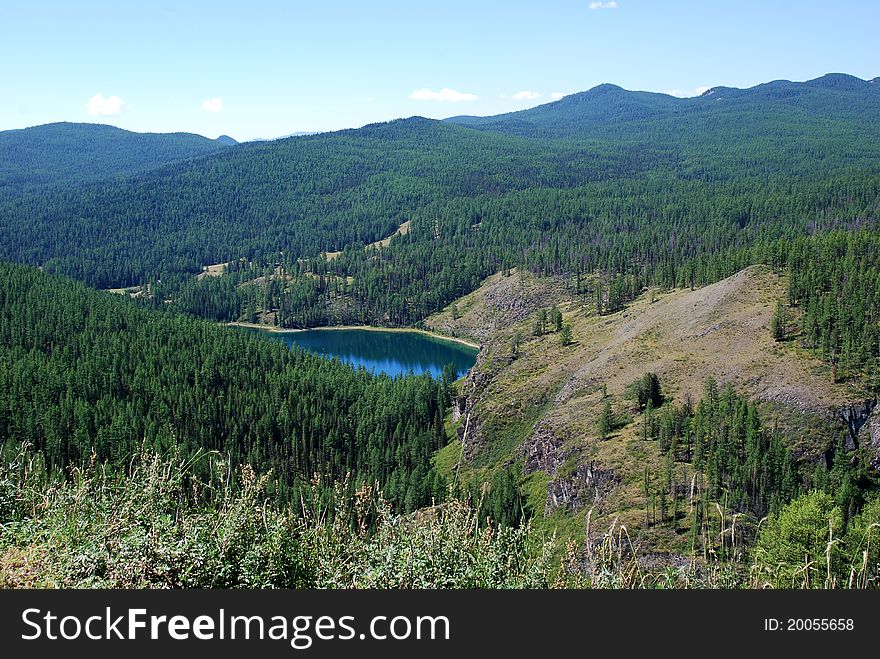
[(488, 315), (873, 436), (473, 390), (862, 422), (576, 482)]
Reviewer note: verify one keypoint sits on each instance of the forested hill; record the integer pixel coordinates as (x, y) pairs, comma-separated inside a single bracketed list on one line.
[(83, 371), (661, 189), (72, 153), (297, 196), (608, 110)]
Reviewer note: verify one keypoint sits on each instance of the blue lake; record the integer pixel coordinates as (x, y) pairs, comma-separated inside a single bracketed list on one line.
[(393, 353)]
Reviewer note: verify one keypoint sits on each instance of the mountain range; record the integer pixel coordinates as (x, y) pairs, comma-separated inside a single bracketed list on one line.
[(677, 302), (208, 203)]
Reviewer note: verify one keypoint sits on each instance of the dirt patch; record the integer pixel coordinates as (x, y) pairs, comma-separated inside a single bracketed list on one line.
[(215, 270), (130, 291), (402, 230)]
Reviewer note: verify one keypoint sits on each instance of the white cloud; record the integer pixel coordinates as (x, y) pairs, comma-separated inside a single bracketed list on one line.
[(687, 94), (604, 5), (100, 106), (444, 94), (213, 104), (525, 96), (557, 95)]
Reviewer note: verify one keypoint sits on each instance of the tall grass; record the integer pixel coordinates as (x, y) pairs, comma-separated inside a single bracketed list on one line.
[(157, 525)]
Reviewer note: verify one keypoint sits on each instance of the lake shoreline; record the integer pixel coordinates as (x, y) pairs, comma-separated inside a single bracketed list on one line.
[(368, 328)]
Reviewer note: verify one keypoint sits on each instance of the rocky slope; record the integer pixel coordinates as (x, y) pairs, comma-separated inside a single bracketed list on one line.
[(537, 405)]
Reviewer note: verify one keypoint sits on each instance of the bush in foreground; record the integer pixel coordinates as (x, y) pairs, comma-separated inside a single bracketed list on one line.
[(159, 527)]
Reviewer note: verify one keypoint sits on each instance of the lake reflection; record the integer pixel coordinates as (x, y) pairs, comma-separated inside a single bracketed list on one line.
[(393, 353)]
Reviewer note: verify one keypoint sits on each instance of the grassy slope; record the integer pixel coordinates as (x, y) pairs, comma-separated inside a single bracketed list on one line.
[(540, 409)]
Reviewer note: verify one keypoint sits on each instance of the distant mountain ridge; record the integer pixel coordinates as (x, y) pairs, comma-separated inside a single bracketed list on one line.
[(606, 105), (299, 133), (520, 177), (64, 153)]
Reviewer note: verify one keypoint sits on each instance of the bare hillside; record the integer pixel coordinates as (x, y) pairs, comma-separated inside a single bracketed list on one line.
[(539, 403)]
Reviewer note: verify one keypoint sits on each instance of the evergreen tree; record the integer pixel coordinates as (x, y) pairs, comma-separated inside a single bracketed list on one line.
[(515, 342), (605, 422), (778, 323), (565, 335), (556, 319)]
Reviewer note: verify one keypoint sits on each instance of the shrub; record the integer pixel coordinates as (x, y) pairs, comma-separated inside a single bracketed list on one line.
[(159, 526), (863, 546), (644, 390), (800, 546)]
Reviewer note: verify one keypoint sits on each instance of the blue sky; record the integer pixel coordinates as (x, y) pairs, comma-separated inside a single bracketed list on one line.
[(263, 69)]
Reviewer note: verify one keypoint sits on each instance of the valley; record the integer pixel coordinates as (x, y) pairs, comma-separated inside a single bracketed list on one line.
[(662, 315)]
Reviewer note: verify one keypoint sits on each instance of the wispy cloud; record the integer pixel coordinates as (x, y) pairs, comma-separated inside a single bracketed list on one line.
[(101, 106), (444, 95), (213, 105), (688, 94), (604, 5), (557, 95), (525, 96)]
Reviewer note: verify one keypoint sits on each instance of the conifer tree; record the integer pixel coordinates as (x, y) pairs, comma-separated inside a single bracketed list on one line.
[(605, 422), (565, 335), (556, 319), (778, 322)]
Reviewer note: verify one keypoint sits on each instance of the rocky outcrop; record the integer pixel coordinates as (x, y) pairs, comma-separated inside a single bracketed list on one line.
[(502, 302), (475, 382), (469, 432), (514, 300), (587, 484), (459, 408), (541, 451), (855, 416), (862, 422), (870, 437)]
